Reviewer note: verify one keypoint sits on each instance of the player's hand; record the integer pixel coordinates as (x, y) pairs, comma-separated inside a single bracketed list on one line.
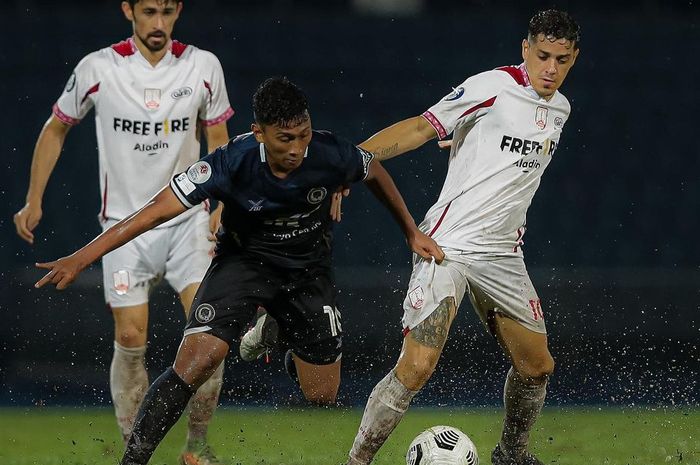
[(445, 144), (215, 222), (62, 272), (336, 202), (425, 246), (26, 220)]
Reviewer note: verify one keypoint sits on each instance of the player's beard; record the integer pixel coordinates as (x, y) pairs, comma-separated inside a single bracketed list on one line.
[(154, 47)]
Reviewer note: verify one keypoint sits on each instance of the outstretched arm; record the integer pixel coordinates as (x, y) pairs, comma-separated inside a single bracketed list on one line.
[(383, 187), (164, 206), (399, 138), (46, 152)]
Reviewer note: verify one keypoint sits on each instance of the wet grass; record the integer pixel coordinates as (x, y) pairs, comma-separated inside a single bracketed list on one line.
[(563, 436)]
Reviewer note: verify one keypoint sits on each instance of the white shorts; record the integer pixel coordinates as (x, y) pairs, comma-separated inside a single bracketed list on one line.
[(180, 253), (494, 284)]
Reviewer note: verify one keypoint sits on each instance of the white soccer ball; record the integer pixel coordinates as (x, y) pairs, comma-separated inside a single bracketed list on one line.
[(442, 445)]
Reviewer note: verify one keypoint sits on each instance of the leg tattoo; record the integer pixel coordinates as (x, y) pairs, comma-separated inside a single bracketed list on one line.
[(432, 332)]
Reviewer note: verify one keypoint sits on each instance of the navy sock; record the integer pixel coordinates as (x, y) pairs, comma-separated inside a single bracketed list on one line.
[(163, 405)]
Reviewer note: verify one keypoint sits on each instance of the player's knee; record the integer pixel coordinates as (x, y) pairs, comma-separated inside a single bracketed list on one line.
[(322, 397), (130, 336), (536, 369)]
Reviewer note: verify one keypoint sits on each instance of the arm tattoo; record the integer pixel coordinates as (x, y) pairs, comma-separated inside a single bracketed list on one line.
[(432, 332), (385, 152)]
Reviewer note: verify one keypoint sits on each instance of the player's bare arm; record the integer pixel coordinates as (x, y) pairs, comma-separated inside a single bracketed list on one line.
[(399, 138), (46, 152), (216, 135), (62, 272), (383, 187)]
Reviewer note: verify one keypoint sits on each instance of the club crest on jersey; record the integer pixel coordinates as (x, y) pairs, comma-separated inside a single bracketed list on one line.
[(121, 281), (456, 94), (199, 173), (316, 195), (204, 313), (416, 298), (541, 117), (151, 97)]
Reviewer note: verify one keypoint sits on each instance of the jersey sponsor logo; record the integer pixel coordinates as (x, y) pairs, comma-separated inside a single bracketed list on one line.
[(297, 232), (151, 149), (417, 298), (151, 97), (526, 147), (456, 94), (316, 195), (255, 206), (204, 313), (146, 128), (184, 184), (121, 281), (200, 172), (558, 122), (70, 85), (181, 92), (291, 221), (541, 117)]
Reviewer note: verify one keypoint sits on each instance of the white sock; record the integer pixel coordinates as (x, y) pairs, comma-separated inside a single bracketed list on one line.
[(386, 406), (523, 403), (128, 382), (202, 406)]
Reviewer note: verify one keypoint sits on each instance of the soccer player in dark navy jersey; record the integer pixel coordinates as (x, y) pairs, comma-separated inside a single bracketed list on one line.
[(283, 219), (273, 250)]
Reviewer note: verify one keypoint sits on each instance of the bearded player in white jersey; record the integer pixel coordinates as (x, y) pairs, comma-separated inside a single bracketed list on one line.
[(153, 96), (506, 125)]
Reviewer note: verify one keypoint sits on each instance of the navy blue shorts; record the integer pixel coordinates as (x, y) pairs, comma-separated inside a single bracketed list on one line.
[(303, 301)]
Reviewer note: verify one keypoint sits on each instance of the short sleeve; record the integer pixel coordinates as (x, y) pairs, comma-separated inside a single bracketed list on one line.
[(207, 178), (216, 107), (356, 161), (477, 92), (81, 90)]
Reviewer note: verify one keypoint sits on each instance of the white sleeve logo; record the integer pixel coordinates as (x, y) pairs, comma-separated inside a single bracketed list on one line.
[(200, 172), (184, 184)]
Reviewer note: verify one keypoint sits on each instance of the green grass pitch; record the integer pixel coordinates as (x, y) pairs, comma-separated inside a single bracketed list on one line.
[(562, 436)]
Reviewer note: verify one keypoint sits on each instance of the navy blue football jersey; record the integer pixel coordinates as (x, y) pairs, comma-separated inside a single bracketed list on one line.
[(283, 221)]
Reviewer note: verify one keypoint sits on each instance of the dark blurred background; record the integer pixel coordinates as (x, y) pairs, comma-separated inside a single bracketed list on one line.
[(613, 241)]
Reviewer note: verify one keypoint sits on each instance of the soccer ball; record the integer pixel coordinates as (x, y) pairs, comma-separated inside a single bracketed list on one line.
[(442, 445)]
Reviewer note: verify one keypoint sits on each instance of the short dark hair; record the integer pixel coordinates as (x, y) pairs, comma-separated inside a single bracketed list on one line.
[(554, 24), (134, 2), (278, 101)]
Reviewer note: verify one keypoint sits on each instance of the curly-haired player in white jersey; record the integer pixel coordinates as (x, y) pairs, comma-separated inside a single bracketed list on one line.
[(506, 125), (153, 96)]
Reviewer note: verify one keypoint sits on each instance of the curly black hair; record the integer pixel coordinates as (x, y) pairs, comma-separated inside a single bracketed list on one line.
[(554, 24), (278, 101)]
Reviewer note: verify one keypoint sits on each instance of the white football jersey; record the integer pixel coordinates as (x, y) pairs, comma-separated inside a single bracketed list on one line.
[(146, 116), (504, 137)]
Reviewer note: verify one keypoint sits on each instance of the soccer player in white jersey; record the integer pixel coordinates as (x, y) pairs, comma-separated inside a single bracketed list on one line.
[(506, 125), (152, 96)]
